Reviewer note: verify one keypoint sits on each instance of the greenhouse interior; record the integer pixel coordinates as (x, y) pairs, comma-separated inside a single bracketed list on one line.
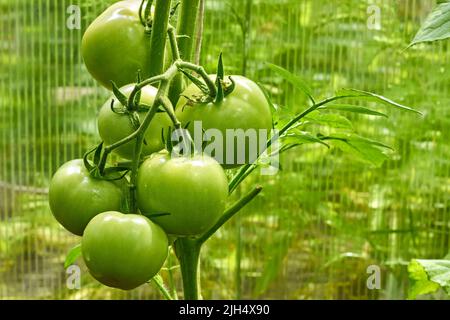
[(346, 198)]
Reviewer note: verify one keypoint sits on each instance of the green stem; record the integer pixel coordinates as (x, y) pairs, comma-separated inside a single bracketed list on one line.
[(170, 267), (245, 170), (140, 140), (185, 29), (229, 213), (168, 107), (199, 32), (158, 43), (157, 280), (188, 253)]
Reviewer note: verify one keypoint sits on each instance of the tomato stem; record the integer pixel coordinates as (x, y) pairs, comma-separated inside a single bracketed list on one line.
[(157, 280), (158, 43), (245, 170), (230, 212), (188, 254), (187, 19)]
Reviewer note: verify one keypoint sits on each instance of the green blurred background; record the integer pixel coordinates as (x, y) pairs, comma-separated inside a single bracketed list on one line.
[(318, 224)]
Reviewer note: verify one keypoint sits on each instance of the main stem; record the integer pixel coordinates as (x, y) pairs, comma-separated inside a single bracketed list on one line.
[(186, 31), (188, 254), (158, 43)]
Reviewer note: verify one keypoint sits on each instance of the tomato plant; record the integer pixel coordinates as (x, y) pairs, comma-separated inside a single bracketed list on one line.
[(244, 108), (185, 195), (182, 194), (75, 196), (116, 45), (123, 250), (115, 123)]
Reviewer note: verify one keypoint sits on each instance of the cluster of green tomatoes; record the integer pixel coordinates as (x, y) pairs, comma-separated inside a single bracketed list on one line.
[(180, 196)]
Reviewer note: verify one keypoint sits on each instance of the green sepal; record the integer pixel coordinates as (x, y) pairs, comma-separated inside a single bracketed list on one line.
[(89, 167), (174, 9), (148, 21), (120, 110), (141, 18), (155, 215), (229, 89), (219, 79), (119, 95), (197, 82), (73, 254), (109, 174), (98, 153), (137, 97)]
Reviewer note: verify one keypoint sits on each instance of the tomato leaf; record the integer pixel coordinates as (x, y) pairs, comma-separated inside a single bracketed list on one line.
[(355, 93), (427, 276), (72, 255), (295, 80), (353, 108), (299, 138), (436, 26), (363, 149), (329, 119)]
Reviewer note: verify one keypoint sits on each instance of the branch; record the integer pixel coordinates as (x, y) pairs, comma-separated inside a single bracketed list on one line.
[(230, 212)]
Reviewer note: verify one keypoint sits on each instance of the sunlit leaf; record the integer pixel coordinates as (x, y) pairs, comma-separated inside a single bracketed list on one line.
[(72, 255), (436, 26), (329, 119), (363, 149), (354, 109), (300, 137), (295, 80), (427, 276), (355, 93)]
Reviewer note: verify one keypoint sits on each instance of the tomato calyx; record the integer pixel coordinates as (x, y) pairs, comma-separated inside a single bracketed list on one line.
[(145, 15), (129, 110), (110, 173), (224, 87), (184, 146)]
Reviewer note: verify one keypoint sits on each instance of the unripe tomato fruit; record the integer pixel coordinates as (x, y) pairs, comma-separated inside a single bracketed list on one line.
[(123, 250), (113, 127), (192, 191), (115, 46), (75, 197), (246, 107)]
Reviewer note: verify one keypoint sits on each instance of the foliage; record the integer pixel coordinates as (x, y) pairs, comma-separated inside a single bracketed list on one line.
[(437, 25), (319, 222)]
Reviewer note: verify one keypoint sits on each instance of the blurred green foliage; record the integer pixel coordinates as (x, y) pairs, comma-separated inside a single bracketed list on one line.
[(319, 223)]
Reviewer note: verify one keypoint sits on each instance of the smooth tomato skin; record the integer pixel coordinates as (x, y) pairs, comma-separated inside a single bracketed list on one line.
[(192, 190), (244, 108), (115, 45), (123, 250), (75, 197), (113, 127)]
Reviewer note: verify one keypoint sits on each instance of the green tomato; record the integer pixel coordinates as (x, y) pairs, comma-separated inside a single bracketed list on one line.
[(246, 107), (115, 46), (123, 250), (76, 197), (190, 191), (113, 127)]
